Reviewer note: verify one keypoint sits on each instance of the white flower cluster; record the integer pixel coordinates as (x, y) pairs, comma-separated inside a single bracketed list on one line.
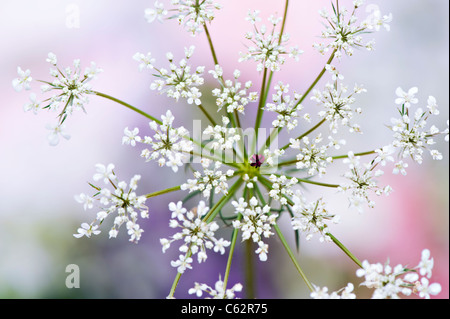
[(337, 104), (271, 156), (256, 223), (282, 187), (232, 95), (23, 81), (361, 181), (72, 87), (178, 81), (158, 12), (196, 234), (286, 107), (218, 292), (410, 136), (249, 181), (343, 293), (311, 217), (269, 48), (345, 31), (169, 145), (224, 137), (193, 14), (312, 156), (122, 198), (211, 180), (390, 282)]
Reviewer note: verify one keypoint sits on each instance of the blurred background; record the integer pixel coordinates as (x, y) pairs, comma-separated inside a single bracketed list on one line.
[(38, 213)]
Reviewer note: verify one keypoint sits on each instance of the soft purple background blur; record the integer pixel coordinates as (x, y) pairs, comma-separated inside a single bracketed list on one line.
[(38, 214)]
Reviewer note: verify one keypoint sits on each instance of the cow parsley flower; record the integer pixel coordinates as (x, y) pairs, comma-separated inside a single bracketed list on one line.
[(377, 21), (346, 33), (211, 179), (87, 230), (23, 81), (312, 156), (169, 145), (425, 289), (131, 137), (337, 105), (218, 292), (223, 137), (432, 105), (72, 84), (194, 14), (146, 61), (390, 283), (269, 47), (232, 95), (56, 130), (311, 218), (156, 13), (33, 105), (122, 199), (426, 263), (256, 223), (197, 236), (70, 87), (361, 182), (406, 98), (322, 293), (286, 107), (177, 82), (282, 187), (410, 136)]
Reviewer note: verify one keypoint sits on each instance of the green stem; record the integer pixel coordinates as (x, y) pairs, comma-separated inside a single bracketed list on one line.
[(174, 285), (250, 291), (230, 255), (164, 191), (317, 183), (261, 103), (283, 25), (345, 250), (287, 163), (207, 115), (237, 124), (292, 256), (128, 106), (334, 158), (213, 51), (219, 205), (357, 154), (308, 181)]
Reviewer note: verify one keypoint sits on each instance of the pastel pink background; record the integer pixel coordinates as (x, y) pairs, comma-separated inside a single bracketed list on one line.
[(38, 213)]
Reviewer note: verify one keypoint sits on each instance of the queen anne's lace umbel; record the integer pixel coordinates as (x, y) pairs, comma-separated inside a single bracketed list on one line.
[(245, 182)]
